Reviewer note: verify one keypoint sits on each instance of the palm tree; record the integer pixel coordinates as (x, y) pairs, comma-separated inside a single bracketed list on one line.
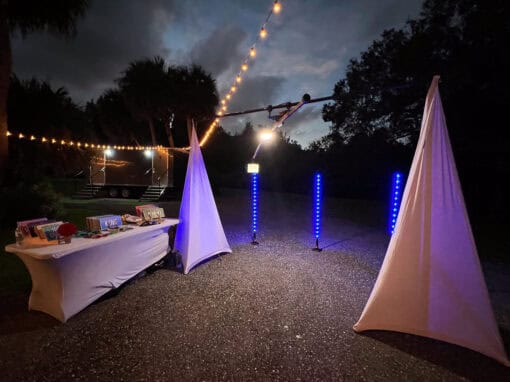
[(197, 93), (26, 16), (146, 89)]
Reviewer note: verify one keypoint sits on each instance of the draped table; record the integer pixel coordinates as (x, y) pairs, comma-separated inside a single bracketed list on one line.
[(67, 278)]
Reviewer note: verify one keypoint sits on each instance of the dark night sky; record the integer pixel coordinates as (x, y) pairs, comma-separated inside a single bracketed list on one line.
[(308, 48)]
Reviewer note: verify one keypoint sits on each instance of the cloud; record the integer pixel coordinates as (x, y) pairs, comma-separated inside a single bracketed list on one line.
[(111, 34), (220, 50), (255, 92), (307, 51)]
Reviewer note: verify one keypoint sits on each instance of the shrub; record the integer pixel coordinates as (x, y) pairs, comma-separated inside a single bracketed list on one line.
[(25, 201)]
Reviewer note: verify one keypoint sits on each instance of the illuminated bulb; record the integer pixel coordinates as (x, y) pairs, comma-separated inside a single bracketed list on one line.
[(228, 96), (108, 152), (220, 113), (71, 143), (224, 108), (263, 32), (86, 145), (8, 134), (62, 142), (44, 139), (253, 52), (53, 140), (217, 120), (78, 144), (266, 135), (244, 67), (277, 7), (233, 89), (223, 102), (92, 145), (238, 79), (20, 136), (32, 138)]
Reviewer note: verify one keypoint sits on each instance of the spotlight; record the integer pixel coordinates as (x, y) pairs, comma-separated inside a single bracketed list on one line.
[(266, 135)]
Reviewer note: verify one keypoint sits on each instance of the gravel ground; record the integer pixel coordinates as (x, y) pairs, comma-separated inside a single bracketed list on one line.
[(277, 311)]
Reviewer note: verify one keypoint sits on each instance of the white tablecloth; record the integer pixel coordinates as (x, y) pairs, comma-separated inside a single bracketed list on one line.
[(67, 278)]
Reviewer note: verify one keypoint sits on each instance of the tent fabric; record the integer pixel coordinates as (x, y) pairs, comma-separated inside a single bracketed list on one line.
[(431, 283), (200, 233)]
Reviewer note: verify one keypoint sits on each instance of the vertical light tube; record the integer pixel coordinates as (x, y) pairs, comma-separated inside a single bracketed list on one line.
[(396, 196), (317, 209), (254, 206)]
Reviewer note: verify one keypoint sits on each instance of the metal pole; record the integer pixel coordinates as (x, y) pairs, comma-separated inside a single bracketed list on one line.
[(104, 167), (287, 114)]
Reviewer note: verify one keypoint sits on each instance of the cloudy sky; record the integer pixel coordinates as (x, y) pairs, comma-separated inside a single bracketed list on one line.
[(307, 50)]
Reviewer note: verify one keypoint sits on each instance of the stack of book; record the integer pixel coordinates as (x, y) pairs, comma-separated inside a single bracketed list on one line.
[(103, 222), (150, 212)]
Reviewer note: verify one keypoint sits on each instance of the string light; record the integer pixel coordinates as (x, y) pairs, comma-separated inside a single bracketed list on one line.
[(71, 143), (276, 8)]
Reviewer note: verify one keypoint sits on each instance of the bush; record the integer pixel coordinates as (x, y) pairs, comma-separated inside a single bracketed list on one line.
[(26, 201)]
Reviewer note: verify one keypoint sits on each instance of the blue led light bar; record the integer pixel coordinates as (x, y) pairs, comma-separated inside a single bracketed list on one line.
[(254, 203), (317, 206), (397, 185)]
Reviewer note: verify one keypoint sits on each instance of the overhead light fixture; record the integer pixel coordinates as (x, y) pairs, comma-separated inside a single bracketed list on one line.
[(266, 135)]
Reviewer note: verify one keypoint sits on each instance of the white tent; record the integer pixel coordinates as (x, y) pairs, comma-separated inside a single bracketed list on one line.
[(200, 233), (431, 283)]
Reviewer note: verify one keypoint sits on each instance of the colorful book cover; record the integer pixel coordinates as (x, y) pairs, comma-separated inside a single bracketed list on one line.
[(140, 208), (25, 226), (48, 231)]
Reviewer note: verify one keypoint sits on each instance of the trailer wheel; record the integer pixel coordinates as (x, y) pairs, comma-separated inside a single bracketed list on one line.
[(126, 193), (113, 192)]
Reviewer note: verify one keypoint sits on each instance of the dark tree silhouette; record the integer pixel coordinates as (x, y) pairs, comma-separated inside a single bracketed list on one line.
[(146, 88), (465, 42), (35, 108), (26, 16)]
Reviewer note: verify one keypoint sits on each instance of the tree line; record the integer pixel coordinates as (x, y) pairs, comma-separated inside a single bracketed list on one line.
[(374, 118)]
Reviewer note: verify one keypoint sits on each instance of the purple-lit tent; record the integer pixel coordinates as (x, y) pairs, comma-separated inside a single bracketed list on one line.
[(431, 283), (200, 233)]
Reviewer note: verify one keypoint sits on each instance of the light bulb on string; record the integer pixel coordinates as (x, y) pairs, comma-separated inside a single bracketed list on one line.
[(253, 52), (277, 7), (263, 33), (233, 89), (244, 67), (223, 102), (238, 79), (228, 96)]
